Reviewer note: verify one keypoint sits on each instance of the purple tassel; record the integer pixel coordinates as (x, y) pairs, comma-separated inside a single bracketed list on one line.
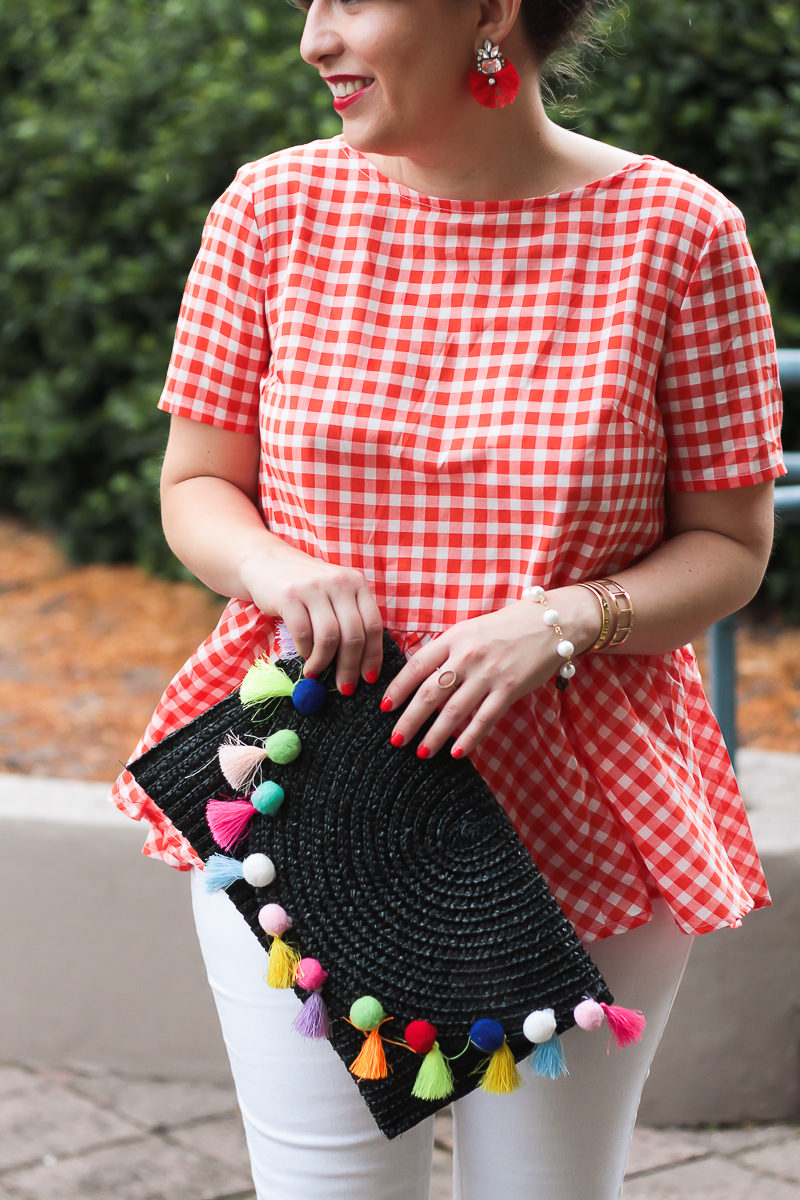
[(312, 1020)]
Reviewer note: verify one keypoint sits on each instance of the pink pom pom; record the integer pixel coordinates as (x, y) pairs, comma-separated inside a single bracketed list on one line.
[(228, 820), (240, 763), (626, 1024), (589, 1014), (310, 974), (274, 920)]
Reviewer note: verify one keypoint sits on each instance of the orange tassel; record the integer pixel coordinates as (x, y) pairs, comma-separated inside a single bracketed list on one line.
[(370, 1062)]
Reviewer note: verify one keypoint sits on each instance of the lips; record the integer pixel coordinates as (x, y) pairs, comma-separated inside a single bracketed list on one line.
[(347, 89)]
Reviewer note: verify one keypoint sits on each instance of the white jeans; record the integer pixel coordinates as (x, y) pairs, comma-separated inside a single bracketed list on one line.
[(309, 1133)]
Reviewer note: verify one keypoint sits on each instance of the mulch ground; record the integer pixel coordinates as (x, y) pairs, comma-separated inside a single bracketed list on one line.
[(85, 653)]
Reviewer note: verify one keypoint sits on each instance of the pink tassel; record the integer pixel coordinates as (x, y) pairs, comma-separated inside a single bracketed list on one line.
[(239, 763), (312, 1020), (625, 1024), (228, 820)]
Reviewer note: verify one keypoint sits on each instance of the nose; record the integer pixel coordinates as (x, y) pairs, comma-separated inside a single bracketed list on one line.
[(320, 39)]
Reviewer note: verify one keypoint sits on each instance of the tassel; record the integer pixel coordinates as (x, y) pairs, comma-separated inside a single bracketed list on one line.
[(283, 960), (285, 642), (312, 1020), (220, 872), (264, 681), (240, 763), (434, 1079), (370, 1062), (228, 820), (548, 1059), (501, 1075), (625, 1024)]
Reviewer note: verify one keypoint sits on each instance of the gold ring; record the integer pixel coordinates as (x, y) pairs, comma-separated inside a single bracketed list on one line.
[(440, 675)]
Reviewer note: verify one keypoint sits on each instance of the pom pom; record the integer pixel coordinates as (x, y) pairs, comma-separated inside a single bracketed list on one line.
[(502, 89), (268, 797), (311, 975), (540, 1025), (312, 1020), (370, 1062), (258, 870), (434, 1079), (264, 681), (240, 762), (283, 960), (487, 1035), (309, 696), (501, 1076), (220, 872), (367, 1013), (589, 1015), (274, 919), (626, 1024), (548, 1059), (283, 746), (421, 1036), (228, 820)]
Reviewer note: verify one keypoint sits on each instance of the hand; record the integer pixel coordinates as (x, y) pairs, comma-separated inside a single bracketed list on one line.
[(497, 658), (328, 610)]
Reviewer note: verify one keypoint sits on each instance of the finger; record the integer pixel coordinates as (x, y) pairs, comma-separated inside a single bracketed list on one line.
[(420, 667), (455, 709), (296, 618), (372, 658), (481, 724), (324, 635), (352, 640)]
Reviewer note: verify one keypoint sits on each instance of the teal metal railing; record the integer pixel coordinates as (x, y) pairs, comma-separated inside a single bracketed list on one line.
[(722, 636)]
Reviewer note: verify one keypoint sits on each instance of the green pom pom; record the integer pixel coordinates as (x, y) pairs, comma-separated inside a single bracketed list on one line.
[(434, 1079), (267, 798), (283, 746), (367, 1013), (263, 682)]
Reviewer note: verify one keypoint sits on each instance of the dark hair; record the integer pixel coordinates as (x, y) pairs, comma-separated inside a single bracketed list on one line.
[(552, 25)]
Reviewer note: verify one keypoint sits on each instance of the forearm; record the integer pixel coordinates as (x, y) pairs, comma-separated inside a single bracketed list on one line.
[(677, 591), (219, 534)]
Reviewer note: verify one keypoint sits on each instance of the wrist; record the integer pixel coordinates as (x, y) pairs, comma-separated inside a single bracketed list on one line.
[(580, 615)]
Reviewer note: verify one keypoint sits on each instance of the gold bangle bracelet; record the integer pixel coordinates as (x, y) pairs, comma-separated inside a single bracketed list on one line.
[(608, 626), (624, 610)]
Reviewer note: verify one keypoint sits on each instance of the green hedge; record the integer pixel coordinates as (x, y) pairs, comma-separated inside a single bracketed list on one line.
[(122, 120)]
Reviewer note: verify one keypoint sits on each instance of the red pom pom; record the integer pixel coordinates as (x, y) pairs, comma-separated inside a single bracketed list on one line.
[(495, 91), (420, 1036)]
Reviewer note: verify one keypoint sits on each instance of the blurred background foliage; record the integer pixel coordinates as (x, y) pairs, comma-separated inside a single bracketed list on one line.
[(122, 120)]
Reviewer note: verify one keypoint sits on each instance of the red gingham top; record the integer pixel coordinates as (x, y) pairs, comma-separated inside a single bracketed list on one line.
[(458, 399)]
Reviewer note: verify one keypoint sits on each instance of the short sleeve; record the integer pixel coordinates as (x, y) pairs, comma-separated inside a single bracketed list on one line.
[(221, 346), (718, 387)]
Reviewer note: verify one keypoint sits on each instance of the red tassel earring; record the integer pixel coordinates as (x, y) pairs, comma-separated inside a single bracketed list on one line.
[(493, 80)]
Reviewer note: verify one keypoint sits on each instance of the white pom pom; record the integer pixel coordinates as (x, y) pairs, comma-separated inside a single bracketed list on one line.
[(540, 1025), (258, 870)]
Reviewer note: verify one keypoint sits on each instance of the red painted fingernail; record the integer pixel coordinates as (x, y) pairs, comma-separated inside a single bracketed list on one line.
[(371, 676), (457, 752), (423, 752), (386, 704), (397, 739), (311, 675), (347, 689)]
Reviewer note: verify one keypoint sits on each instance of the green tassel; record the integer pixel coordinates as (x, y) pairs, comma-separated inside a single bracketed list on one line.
[(264, 681), (434, 1079)]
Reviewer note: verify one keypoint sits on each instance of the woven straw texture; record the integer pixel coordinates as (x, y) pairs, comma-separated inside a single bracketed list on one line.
[(403, 876)]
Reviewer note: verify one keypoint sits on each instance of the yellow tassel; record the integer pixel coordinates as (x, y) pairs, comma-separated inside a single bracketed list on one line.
[(370, 1062), (283, 962), (501, 1075), (264, 681)]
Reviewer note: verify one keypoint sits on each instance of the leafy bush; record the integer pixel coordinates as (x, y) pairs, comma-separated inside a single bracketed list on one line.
[(121, 122)]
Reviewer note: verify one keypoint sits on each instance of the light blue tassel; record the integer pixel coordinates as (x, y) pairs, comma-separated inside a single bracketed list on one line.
[(221, 871), (548, 1059)]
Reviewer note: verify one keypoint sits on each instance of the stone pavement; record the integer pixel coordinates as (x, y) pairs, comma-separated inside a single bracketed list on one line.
[(83, 1135)]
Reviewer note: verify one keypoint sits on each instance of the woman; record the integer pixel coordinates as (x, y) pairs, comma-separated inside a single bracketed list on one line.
[(454, 353)]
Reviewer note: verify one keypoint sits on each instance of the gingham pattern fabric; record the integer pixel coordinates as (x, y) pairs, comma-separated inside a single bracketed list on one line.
[(458, 399)]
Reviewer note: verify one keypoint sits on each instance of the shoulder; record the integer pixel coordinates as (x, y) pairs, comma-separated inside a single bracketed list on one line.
[(307, 169), (670, 195)]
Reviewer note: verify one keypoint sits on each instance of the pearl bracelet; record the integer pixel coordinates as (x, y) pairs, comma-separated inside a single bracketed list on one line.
[(565, 647)]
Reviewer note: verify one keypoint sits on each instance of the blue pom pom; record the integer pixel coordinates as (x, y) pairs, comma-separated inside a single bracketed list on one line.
[(221, 871), (487, 1035), (308, 695), (548, 1059)]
